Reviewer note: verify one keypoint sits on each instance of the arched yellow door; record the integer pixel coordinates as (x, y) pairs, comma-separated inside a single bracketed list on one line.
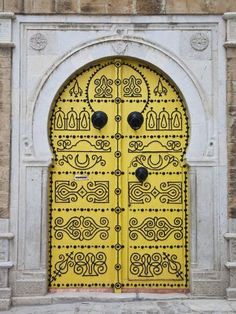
[(118, 201)]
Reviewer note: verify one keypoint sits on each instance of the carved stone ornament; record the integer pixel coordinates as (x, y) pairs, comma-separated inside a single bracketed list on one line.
[(199, 41), (28, 147), (119, 47), (38, 41)]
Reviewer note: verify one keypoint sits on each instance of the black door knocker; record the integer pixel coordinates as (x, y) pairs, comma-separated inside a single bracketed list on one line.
[(141, 174), (99, 119), (135, 120)]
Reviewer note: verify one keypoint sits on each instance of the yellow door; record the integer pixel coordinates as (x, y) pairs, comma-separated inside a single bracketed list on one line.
[(118, 201)]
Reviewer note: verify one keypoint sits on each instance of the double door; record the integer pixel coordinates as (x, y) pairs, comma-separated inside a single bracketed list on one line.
[(118, 190)]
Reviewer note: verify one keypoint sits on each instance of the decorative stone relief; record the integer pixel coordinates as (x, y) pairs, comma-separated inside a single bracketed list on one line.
[(199, 41), (38, 41), (210, 148), (120, 30), (28, 148), (119, 47)]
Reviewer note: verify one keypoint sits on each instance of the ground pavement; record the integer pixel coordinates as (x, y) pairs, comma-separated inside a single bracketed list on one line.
[(109, 303)]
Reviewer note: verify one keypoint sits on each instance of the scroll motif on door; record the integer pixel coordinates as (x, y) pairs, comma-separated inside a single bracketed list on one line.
[(118, 192)]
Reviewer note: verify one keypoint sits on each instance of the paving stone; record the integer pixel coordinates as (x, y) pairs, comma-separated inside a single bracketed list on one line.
[(209, 306), (212, 305)]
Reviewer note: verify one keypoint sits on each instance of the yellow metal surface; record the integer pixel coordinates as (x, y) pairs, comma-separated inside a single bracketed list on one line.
[(107, 229)]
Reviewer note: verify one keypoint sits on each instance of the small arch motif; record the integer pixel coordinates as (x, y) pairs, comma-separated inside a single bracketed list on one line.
[(164, 120), (71, 120)]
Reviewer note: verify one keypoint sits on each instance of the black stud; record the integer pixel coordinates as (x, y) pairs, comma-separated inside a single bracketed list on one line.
[(135, 120), (99, 119), (141, 174)]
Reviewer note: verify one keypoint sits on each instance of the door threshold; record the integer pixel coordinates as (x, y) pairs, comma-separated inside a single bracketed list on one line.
[(123, 290), (73, 296)]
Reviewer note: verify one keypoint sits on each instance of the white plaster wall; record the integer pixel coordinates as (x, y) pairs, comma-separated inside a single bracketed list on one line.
[(73, 41)]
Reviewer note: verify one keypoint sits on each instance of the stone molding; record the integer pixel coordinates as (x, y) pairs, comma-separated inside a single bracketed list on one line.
[(6, 29), (170, 64), (230, 18)]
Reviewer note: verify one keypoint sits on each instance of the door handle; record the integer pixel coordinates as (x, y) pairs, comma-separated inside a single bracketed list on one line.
[(135, 120), (99, 119), (141, 174)]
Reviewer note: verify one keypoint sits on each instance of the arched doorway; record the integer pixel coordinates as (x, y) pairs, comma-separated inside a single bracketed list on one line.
[(110, 227)]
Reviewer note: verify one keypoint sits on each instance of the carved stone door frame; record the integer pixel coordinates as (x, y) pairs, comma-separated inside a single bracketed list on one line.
[(201, 45)]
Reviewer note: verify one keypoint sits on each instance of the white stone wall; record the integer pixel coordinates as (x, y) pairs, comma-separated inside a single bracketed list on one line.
[(48, 49)]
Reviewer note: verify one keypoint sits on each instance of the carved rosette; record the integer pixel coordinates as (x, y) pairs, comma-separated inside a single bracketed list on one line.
[(38, 41), (199, 41)]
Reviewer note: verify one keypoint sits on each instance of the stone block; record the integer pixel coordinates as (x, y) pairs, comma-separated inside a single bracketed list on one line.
[(126, 8), (4, 53), (232, 199), (150, 7), (4, 121), (5, 293), (4, 107), (4, 212), (231, 99), (232, 175), (231, 293), (231, 69), (3, 279), (4, 146), (232, 132), (200, 6), (1, 5), (232, 277), (232, 207), (5, 62), (5, 91), (5, 69), (209, 288), (4, 174), (30, 288), (5, 183), (44, 300), (3, 250), (15, 6), (5, 304), (5, 187), (67, 6), (230, 53), (4, 160), (93, 7), (42, 6), (232, 154), (228, 86), (3, 199), (173, 6), (233, 86), (231, 89), (232, 111)]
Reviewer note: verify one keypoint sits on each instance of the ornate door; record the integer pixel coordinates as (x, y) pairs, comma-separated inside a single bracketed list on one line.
[(118, 201)]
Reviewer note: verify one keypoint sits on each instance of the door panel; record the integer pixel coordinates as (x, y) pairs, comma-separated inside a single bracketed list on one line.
[(108, 229)]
